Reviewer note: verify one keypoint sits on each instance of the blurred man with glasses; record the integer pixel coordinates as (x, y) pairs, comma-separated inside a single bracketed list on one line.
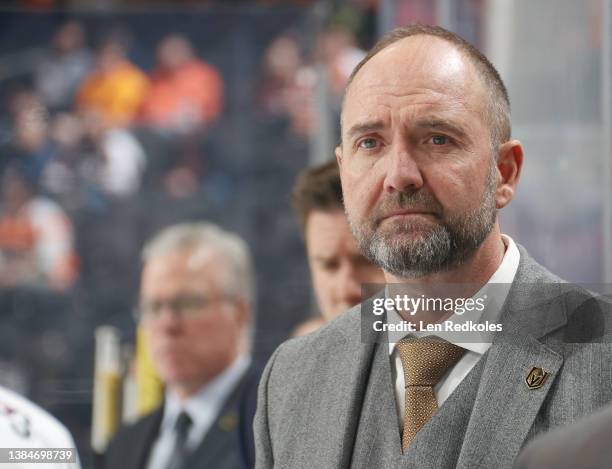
[(196, 300)]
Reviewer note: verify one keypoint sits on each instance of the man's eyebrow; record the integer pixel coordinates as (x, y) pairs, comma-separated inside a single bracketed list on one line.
[(424, 123), (441, 124), (365, 127)]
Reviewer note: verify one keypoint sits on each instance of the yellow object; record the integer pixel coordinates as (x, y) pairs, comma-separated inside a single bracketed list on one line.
[(150, 387), (107, 386), (110, 383), (116, 94)]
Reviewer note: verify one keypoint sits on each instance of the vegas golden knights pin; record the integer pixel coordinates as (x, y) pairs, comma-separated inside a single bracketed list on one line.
[(536, 378)]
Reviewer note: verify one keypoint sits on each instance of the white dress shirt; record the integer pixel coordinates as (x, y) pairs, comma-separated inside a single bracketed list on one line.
[(203, 408), (504, 274)]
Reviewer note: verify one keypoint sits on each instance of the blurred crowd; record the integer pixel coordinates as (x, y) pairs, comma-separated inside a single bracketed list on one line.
[(86, 133), (100, 149), (72, 144)]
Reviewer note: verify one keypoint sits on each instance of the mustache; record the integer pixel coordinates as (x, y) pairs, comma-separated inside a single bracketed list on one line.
[(420, 200)]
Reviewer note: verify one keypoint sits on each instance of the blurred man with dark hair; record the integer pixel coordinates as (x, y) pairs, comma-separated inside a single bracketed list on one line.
[(338, 270), (196, 302)]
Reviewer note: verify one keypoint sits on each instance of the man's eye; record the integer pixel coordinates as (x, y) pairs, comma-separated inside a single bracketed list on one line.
[(368, 143), (439, 140), (190, 304), (330, 265)]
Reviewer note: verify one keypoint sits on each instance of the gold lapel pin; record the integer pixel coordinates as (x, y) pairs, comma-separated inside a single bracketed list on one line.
[(228, 421), (536, 378)]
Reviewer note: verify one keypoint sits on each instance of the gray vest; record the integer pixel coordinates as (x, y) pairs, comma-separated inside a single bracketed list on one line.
[(438, 444)]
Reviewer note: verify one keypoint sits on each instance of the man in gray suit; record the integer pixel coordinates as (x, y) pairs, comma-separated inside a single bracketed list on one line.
[(426, 160), (584, 444)]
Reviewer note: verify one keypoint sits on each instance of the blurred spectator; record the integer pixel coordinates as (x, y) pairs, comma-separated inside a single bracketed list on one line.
[(337, 50), (119, 157), (58, 75), (36, 238), (63, 177), (302, 103), (116, 88), (334, 58), (288, 88), (281, 62), (30, 147), (337, 268), (186, 93)]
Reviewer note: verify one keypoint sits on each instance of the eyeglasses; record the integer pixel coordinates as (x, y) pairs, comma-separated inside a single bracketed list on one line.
[(184, 307)]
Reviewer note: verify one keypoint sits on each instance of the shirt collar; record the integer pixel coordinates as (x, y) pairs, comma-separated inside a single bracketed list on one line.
[(208, 400), (504, 274)]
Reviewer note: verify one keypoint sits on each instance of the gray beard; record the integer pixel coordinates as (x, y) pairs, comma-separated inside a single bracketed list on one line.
[(440, 247)]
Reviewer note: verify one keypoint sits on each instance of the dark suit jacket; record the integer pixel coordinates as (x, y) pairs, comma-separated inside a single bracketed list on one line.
[(586, 444), (223, 446), (327, 399)]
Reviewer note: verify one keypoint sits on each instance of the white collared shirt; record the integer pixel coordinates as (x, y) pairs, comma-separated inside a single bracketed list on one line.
[(203, 408), (504, 274)]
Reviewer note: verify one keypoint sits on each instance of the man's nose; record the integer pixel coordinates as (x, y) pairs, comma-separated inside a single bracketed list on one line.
[(402, 173)]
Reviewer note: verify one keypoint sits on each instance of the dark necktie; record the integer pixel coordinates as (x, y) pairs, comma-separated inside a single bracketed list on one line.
[(181, 430)]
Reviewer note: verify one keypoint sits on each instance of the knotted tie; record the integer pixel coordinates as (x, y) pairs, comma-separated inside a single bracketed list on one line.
[(181, 429), (425, 362)]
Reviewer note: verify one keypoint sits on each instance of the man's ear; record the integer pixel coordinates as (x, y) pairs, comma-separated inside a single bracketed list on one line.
[(509, 164), (338, 152)]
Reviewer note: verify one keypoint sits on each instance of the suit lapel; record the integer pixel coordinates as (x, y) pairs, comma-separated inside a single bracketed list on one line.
[(361, 361), (217, 443), (353, 365), (223, 434), (144, 436), (506, 407), (326, 421)]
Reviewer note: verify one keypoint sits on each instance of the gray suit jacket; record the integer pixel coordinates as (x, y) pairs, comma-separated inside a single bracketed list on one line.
[(586, 444), (326, 399)]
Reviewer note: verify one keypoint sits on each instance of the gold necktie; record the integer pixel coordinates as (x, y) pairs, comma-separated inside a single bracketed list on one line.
[(425, 361)]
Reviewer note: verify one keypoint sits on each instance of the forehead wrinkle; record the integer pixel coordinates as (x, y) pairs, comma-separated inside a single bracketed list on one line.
[(362, 94), (430, 96), (450, 71), (442, 113)]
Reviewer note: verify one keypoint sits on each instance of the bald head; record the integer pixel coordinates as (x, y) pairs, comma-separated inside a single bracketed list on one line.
[(496, 103)]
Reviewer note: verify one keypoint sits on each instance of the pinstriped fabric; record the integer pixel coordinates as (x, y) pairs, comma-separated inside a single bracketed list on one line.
[(425, 362)]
